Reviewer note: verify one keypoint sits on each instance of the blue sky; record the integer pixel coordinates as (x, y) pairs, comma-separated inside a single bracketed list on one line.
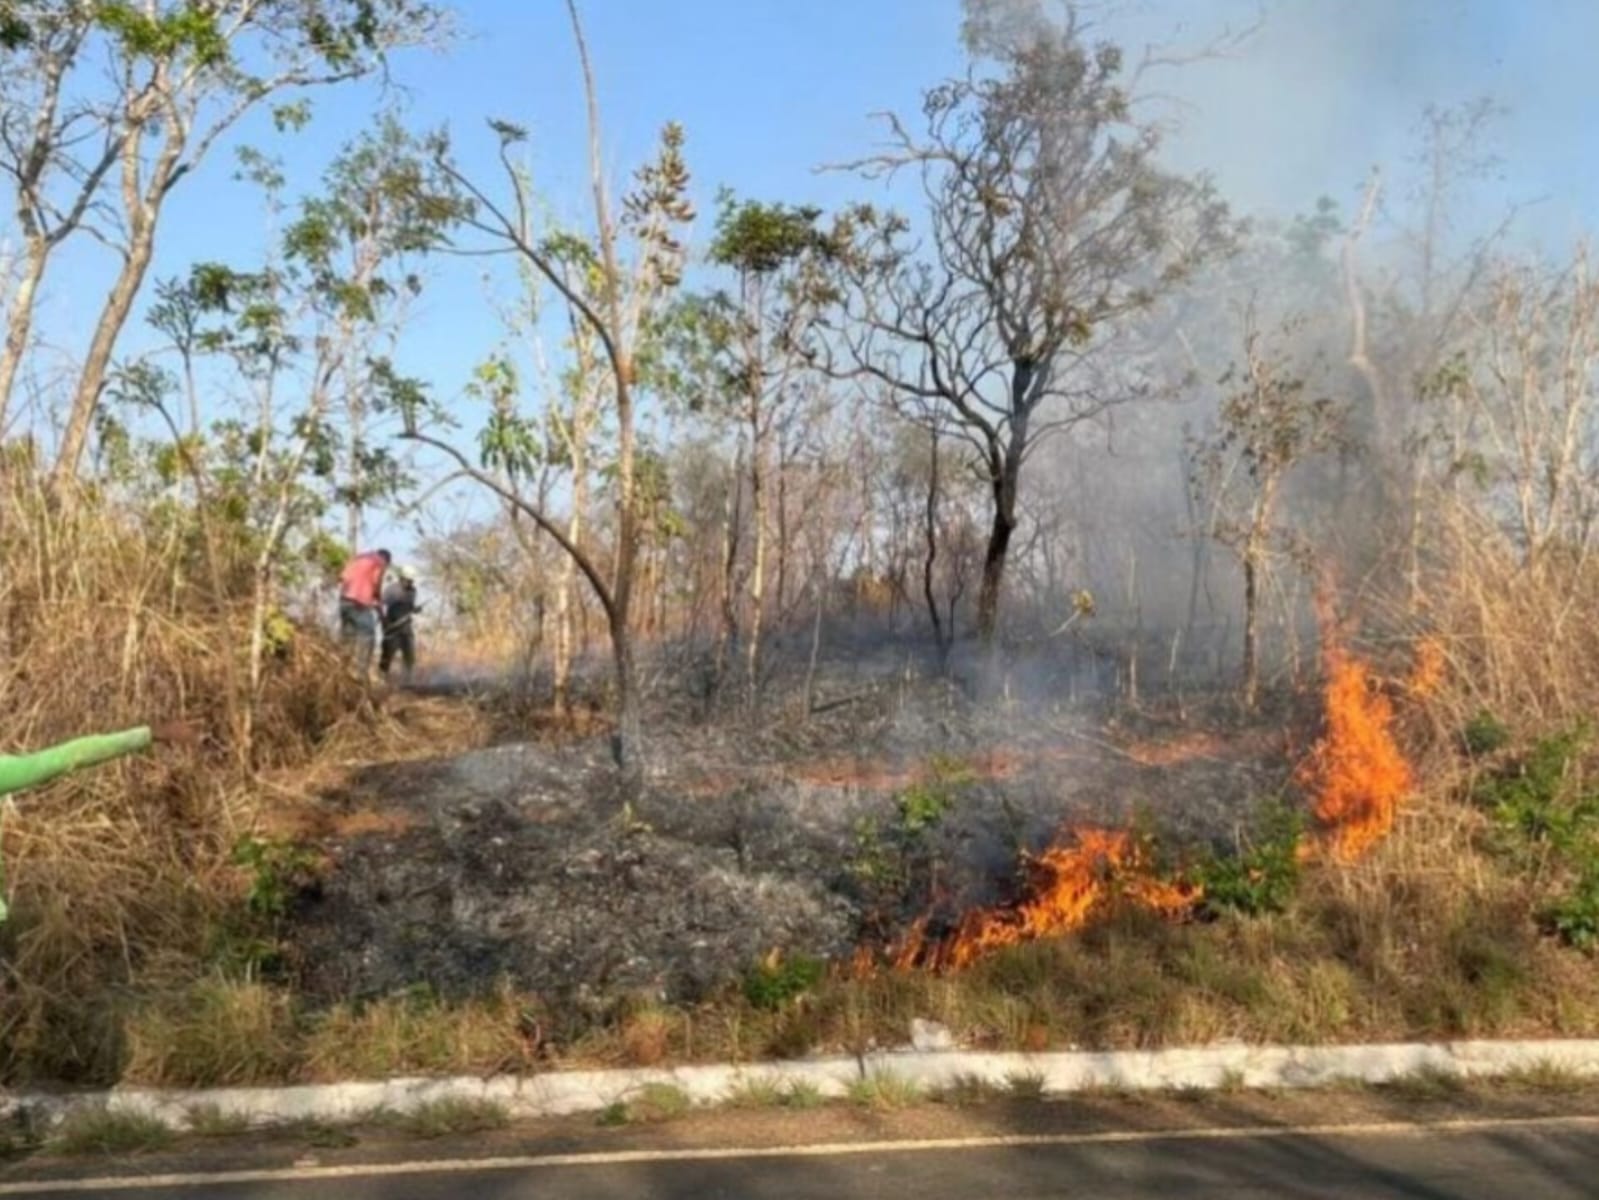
[(770, 90)]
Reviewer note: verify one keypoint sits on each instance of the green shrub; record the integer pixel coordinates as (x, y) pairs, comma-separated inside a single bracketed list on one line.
[(892, 860), (1574, 917), (774, 982), (658, 1102), (801, 1094), (1262, 876), (278, 870), (1536, 800), (1485, 734), (884, 1090)]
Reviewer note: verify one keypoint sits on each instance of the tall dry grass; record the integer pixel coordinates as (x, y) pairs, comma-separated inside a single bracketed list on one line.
[(118, 877), (1518, 637)]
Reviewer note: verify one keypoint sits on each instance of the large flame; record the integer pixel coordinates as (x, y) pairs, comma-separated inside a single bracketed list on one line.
[(1355, 775)]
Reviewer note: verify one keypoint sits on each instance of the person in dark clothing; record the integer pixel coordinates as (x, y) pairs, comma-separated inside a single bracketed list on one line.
[(399, 625)]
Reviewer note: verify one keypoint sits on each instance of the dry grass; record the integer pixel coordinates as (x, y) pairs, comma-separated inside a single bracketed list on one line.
[(421, 1036), (964, 1091), (653, 1104), (124, 958), (450, 1118), (125, 901), (207, 1120), (214, 1033)]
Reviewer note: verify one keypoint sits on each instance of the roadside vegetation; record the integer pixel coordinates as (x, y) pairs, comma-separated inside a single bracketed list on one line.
[(691, 504)]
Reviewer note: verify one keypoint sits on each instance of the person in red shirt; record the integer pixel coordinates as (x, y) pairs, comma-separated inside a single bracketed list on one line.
[(360, 602)]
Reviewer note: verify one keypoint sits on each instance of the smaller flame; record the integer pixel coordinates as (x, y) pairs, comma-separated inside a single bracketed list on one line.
[(1068, 885), (1427, 675)]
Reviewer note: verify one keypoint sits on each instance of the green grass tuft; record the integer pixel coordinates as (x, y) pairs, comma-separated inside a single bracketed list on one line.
[(964, 1091), (1025, 1085), (884, 1090), (101, 1131), (207, 1120), (452, 1117)]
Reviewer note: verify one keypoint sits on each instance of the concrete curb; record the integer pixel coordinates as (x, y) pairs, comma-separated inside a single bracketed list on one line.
[(560, 1093)]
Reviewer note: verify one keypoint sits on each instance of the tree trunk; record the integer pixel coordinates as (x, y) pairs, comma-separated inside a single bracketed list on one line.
[(1251, 682), (758, 567), (628, 743), (931, 530), (628, 747), (97, 363), (565, 579), (993, 576), (1004, 473), (19, 322), (353, 507), (728, 640), (816, 647), (1137, 606), (782, 526)]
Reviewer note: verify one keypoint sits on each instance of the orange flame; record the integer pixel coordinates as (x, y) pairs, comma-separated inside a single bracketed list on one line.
[(1069, 884), (1355, 771), (1427, 675)]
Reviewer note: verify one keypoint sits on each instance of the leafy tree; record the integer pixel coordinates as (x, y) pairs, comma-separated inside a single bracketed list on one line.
[(740, 357), (182, 74), (288, 340), (380, 210)]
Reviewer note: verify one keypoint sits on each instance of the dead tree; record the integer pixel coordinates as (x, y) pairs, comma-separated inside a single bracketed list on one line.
[(1047, 219), (1265, 427), (616, 304)]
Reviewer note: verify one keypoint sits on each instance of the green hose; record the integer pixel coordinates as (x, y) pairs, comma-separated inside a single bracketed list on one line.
[(19, 771)]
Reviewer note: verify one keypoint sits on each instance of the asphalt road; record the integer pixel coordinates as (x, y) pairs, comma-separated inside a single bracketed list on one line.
[(1532, 1160)]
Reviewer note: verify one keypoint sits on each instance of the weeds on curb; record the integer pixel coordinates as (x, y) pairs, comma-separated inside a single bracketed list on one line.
[(884, 1090), (322, 1135), (1548, 1077), (964, 1091), (1025, 1085), (452, 1117), (208, 1120), (102, 1131), (802, 1094), (652, 1104), (756, 1091), (1427, 1084)]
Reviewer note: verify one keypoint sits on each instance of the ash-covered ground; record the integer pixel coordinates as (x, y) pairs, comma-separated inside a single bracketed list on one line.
[(513, 862)]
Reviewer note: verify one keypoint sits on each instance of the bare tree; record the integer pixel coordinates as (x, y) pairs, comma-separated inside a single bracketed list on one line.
[(1048, 219), (617, 303), (1265, 428), (1530, 390)]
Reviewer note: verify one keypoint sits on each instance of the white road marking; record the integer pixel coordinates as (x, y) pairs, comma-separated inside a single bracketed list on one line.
[(461, 1166)]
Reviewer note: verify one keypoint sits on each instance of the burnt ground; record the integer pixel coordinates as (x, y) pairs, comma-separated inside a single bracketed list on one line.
[(514, 862)]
